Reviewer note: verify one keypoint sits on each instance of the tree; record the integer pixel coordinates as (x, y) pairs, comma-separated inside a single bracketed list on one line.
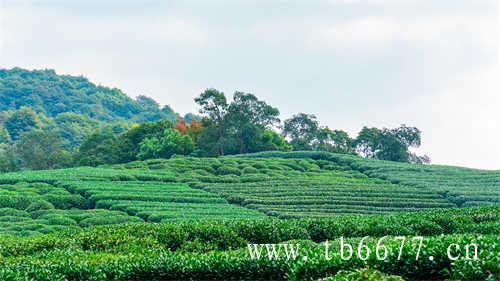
[(214, 105), (168, 113), (128, 142), (4, 135), (22, 120), (390, 144), (236, 127), (51, 94), (181, 125), (248, 118), (424, 159), (99, 148), (270, 140), (151, 109), (409, 136), (7, 159), (367, 142), (39, 150), (333, 141), (194, 129), (75, 128), (190, 117), (164, 146), (391, 148), (302, 130)]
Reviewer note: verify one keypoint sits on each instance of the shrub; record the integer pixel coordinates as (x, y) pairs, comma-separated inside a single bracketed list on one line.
[(107, 220), (249, 170), (13, 212), (228, 170), (365, 274), (39, 205), (54, 219)]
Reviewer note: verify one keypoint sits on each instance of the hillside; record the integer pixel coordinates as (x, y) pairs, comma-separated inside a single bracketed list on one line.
[(283, 185), (52, 94), (459, 185), (191, 218)]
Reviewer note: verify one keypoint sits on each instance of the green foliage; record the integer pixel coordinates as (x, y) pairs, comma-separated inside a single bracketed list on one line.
[(304, 133), (199, 235), (22, 120), (4, 134), (72, 107), (242, 126), (52, 94), (270, 140), (42, 150), (39, 205), (333, 141), (99, 148), (129, 142), (291, 188), (213, 139), (75, 108), (7, 159), (390, 144), (460, 186), (302, 130), (247, 118), (186, 250), (75, 128), (364, 274), (165, 145)]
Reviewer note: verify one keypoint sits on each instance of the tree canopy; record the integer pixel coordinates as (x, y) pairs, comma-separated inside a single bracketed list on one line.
[(237, 127), (51, 94)]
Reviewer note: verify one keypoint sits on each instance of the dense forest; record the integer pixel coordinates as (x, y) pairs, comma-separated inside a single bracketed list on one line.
[(50, 94), (51, 121)]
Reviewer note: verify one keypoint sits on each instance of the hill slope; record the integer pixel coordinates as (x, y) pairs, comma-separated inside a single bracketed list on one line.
[(461, 186), (293, 185), (49, 93)]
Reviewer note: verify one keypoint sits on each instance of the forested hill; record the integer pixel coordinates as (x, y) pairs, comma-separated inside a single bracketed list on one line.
[(51, 94)]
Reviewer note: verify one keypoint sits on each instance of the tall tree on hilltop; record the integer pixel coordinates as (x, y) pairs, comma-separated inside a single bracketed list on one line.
[(236, 127), (390, 144), (248, 118), (214, 105), (302, 130), (333, 141)]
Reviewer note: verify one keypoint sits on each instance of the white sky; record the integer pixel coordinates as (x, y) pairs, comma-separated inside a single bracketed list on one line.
[(426, 63)]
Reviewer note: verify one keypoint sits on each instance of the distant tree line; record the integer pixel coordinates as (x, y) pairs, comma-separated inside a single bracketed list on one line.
[(243, 125)]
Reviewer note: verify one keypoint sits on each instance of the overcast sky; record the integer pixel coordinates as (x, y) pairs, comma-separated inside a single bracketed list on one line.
[(432, 64)]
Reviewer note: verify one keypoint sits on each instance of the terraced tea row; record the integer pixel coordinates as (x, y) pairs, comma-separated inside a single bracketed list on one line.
[(86, 173), (158, 201), (462, 186), (314, 198), (28, 208), (37, 195), (23, 223), (292, 185), (47, 201), (295, 187), (214, 250)]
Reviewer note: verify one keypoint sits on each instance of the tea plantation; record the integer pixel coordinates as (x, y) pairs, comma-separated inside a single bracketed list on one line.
[(216, 250), (192, 218), (461, 186)]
